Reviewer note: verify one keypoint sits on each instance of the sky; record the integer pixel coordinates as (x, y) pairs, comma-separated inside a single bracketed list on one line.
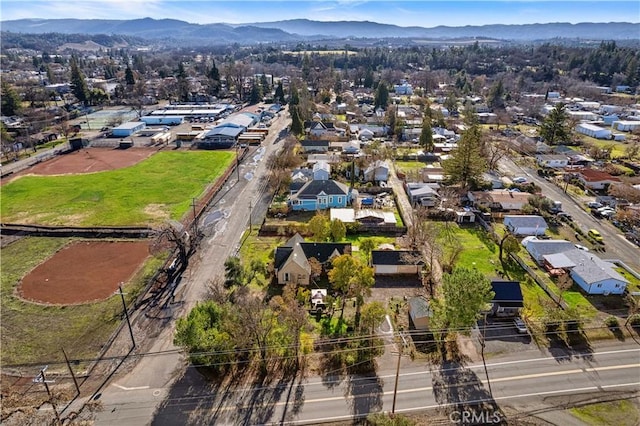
[(424, 13)]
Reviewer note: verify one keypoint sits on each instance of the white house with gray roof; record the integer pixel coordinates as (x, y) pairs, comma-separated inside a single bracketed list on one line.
[(592, 274), (525, 224)]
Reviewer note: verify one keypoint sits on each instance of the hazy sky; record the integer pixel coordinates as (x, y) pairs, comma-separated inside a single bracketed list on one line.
[(424, 13)]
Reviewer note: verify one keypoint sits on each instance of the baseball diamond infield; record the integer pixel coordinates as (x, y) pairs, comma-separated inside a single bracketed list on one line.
[(83, 271)]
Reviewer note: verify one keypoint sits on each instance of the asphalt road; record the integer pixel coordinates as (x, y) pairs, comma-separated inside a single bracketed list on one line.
[(616, 245), (245, 193), (525, 378)]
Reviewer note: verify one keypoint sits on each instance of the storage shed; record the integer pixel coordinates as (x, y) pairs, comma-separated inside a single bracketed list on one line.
[(420, 313)]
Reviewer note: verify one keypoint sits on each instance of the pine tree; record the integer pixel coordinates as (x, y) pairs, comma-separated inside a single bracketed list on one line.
[(256, 94), (129, 77), (78, 83), (214, 79), (11, 103), (296, 122), (279, 95), (382, 95), (466, 164), (426, 136), (554, 128)]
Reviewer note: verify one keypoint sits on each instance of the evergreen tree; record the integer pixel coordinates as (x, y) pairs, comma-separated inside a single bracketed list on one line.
[(294, 98), (11, 103), (496, 95), (466, 164), (426, 135), (554, 128), (279, 95), (256, 94), (214, 79), (129, 77), (78, 83), (183, 83), (368, 78), (382, 95), (297, 127)]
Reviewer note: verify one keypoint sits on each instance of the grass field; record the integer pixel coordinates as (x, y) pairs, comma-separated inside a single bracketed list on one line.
[(157, 189), (35, 333), (621, 412)]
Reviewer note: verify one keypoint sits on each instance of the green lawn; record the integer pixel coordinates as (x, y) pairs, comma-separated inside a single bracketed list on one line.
[(157, 189), (621, 413), (479, 250), (34, 333)]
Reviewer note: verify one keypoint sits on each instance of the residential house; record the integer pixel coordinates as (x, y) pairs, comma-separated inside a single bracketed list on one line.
[(554, 161), (423, 194), (314, 146), (499, 200), (525, 224), (378, 171), (299, 177), (321, 170), (365, 134), (465, 215), (537, 249), (321, 195), (596, 179), (592, 274), (507, 300), (320, 129), (396, 262), (420, 313), (291, 260)]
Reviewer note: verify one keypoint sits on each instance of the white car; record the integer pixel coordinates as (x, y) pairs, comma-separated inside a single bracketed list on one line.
[(519, 179), (520, 326)]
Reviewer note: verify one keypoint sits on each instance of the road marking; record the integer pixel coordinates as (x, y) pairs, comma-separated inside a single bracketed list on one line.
[(429, 407), (503, 379), (130, 389)]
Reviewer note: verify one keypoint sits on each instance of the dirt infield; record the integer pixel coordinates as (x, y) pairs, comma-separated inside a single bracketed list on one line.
[(88, 160), (83, 271)]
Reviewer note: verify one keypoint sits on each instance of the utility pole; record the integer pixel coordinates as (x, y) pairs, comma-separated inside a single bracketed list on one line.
[(249, 216), (126, 313), (41, 378), (195, 217), (395, 387), (482, 344), (73, 376)]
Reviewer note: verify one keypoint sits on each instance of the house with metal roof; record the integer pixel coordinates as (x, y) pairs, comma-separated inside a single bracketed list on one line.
[(592, 274), (525, 224), (507, 298), (220, 137), (537, 249)]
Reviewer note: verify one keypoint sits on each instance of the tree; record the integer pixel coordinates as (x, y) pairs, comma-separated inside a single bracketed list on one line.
[(366, 247), (214, 79), (350, 278), (426, 135), (256, 94), (337, 230), (382, 95), (184, 88), (319, 226), (78, 83), (11, 103), (372, 315), (508, 244), (129, 78), (233, 273), (554, 128), (205, 336), (495, 99), (466, 164), (279, 94), (465, 293), (297, 127)]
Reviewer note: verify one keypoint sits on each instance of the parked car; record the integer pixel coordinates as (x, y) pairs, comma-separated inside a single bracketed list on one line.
[(595, 235), (581, 247), (594, 205), (520, 326), (565, 216), (519, 179)]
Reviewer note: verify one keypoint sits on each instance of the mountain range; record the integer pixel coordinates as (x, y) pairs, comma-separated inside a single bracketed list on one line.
[(308, 30)]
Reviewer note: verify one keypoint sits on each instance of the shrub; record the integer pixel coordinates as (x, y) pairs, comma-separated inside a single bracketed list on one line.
[(634, 320), (611, 322)]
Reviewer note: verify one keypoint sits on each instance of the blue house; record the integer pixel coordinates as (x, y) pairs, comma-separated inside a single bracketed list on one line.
[(321, 195)]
